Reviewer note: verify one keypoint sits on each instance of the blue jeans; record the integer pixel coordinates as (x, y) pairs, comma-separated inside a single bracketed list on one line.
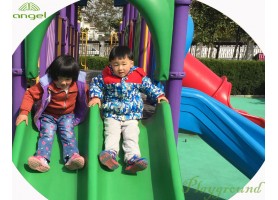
[(65, 130)]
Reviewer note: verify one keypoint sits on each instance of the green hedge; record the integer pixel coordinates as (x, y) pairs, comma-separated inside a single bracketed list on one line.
[(95, 62), (247, 77)]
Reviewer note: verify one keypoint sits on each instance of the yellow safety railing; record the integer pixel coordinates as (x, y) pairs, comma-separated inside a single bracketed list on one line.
[(84, 46), (113, 38)]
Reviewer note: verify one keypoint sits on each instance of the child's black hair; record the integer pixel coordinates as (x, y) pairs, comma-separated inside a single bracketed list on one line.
[(64, 66), (120, 52)]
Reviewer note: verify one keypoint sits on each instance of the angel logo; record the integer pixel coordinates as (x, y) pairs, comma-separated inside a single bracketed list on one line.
[(29, 6), (26, 11)]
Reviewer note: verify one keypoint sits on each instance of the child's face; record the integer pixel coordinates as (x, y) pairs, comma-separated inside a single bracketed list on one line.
[(121, 67), (63, 82)]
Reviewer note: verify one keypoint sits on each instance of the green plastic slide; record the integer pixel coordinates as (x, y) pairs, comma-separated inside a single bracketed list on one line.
[(160, 181), (159, 16)]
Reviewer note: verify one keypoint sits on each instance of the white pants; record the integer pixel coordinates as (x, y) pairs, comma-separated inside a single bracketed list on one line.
[(130, 131)]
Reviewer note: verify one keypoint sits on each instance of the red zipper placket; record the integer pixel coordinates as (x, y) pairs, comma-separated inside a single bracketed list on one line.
[(65, 102), (66, 96)]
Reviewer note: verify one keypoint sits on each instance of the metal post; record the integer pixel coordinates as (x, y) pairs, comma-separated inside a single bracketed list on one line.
[(63, 15), (127, 14), (72, 21), (131, 13), (123, 26), (120, 33), (78, 38), (135, 14), (141, 44), (174, 84)]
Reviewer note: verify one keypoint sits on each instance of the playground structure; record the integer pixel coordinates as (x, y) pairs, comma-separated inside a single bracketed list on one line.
[(158, 34)]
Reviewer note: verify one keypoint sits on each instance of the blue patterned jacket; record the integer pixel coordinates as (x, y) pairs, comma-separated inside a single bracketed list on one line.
[(121, 97)]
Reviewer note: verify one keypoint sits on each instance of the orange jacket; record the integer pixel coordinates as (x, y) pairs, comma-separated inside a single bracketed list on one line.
[(61, 102)]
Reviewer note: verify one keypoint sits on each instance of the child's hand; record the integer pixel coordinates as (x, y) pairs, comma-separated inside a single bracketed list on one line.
[(94, 101), (21, 118), (159, 99)]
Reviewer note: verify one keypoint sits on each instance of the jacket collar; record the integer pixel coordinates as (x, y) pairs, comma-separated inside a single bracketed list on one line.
[(110, 71), (55, 89)]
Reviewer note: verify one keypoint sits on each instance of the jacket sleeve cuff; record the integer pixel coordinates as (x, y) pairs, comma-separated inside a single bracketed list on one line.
[(24, 112), (162, 95), (96, 96)]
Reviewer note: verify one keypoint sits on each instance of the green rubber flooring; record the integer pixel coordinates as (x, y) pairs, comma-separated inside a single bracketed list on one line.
[(205, 173), (254, 106)]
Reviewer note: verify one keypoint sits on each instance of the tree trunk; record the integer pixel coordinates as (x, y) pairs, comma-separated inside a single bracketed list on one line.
[(249, 50), (235, 50), (237, 42), (208, 47), (238, 55), (198, 51), (217, 51), (211, 50)]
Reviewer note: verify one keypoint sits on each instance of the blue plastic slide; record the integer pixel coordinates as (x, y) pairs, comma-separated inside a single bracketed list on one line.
[(236, 138)]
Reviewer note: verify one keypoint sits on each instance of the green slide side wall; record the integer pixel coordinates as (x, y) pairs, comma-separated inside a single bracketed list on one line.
[(159, 15), (160, 181)]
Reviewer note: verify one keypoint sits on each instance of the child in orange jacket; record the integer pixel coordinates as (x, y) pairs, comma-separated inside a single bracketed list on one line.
[(61, 101)]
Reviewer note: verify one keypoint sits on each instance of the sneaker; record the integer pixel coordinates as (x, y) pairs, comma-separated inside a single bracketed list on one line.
[(75, 162), (108, 158), (38, 163), (136, 164)]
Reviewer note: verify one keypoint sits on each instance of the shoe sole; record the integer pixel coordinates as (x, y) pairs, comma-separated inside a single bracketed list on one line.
[(138, 166), (75, 164), (107, 160), (35, 164)]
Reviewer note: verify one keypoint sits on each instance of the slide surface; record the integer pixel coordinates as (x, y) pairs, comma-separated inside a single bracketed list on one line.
[(236, 138), (208, 82), (161, 180)]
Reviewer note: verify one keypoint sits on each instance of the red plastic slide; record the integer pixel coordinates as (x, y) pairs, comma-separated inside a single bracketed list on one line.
[(200, 77)]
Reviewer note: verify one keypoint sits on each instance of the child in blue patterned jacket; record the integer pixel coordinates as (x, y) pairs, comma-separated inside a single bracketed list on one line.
[(118, 91)]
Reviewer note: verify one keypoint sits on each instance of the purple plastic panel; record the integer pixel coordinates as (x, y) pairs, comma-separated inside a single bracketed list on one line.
[(72, 14), (43, 56), (50, 54), (18, 81)]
